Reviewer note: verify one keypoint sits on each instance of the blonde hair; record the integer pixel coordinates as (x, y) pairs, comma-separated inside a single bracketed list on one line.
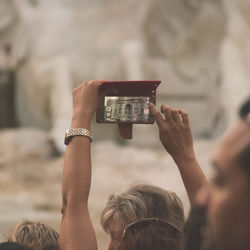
[(35, 235), (143, 201)]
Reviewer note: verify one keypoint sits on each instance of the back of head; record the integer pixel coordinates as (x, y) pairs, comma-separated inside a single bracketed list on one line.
[(244, 156), (151, 234), (143, 201), (34, 235), (13, 246)]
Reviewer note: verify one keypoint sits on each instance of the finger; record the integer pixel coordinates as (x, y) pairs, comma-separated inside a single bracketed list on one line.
[(79, 86), (185, 118), (96, 83), (156, 114), (84, 84), (167, 112), (101, 81), (175, 114)]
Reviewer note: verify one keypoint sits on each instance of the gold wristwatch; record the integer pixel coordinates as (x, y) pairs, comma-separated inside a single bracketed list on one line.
[(70, 133)]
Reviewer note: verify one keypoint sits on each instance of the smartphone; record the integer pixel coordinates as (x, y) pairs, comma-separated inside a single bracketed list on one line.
[(129, 104)]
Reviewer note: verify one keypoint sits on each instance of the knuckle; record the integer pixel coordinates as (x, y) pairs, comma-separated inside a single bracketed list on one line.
[(164, 107), (171, 127), (183, 112), (163, 133), (182, 125), (157, 114), (165, 127), (94, 82)]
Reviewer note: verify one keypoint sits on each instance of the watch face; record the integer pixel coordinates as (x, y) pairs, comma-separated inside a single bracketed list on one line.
[(126, 109)]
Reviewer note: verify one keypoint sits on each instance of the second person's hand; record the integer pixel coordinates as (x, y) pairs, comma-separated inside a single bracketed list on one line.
[(174, 132)]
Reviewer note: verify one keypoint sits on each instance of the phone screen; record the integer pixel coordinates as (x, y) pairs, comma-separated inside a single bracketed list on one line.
[(125, 109)]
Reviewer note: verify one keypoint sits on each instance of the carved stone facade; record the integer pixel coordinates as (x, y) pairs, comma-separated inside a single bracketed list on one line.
[(57, 44)]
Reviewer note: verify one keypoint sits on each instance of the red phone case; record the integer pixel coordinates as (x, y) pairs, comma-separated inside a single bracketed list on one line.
[(130, 88)]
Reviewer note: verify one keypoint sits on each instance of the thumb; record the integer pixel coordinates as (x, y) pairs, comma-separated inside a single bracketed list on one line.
[(156, 114)]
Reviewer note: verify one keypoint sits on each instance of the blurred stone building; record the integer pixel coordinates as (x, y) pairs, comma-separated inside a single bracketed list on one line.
[(200, 49)]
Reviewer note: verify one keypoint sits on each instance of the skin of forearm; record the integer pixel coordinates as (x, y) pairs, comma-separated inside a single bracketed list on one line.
[(76, 231), (191, 174), (77, 170), (77, 166)]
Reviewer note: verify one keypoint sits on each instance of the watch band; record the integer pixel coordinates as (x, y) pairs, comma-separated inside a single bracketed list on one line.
[(70, 133)]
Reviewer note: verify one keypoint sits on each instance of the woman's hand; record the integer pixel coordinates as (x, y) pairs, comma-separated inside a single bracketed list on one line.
[(86, 99), (176, 137), (174, 132)]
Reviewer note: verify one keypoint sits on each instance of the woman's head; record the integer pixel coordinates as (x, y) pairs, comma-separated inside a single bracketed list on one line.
[(139, 202), (151, 234), (34, 235)]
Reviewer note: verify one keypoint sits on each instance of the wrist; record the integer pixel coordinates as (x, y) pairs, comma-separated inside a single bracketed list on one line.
[(181, 160), (79, 112), (81, 121)]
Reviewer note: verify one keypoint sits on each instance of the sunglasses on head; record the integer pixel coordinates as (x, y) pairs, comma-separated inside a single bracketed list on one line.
[(146, 222)]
